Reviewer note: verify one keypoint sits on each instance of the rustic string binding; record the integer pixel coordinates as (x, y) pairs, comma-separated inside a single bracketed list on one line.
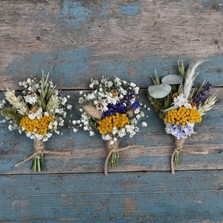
[(40, 150)]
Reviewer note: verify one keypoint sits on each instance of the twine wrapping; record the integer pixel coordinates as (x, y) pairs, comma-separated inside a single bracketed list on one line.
[(112, 147), (179, 143), (40, 150)]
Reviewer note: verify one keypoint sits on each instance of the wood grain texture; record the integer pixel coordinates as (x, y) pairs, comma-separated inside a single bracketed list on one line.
[(79, 40), (75, 40), (189, 197)]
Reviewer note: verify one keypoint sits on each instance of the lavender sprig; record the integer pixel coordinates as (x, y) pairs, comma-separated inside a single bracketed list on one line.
[(199, 98)]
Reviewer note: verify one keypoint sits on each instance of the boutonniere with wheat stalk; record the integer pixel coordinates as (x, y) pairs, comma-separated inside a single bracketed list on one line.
[(180, 104), (39, 112), (113, 110)]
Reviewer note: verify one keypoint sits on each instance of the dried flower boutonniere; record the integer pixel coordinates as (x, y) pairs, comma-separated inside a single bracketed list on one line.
[(113, 110), (39, 111), (180, 104)]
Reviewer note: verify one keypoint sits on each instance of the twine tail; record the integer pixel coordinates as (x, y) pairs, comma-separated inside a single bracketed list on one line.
[(57, 153), (178, 147), (37, 156), (26, 159), (106, 162)]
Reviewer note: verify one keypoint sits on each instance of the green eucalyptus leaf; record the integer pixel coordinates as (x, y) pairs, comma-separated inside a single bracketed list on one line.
[(159, 91), (172, 79)]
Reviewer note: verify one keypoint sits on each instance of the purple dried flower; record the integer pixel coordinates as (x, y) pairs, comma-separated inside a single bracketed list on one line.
[(198, 99), (180, 131), (112, 109)]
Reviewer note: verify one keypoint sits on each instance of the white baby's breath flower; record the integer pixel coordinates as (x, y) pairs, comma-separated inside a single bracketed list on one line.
[(28, 80), (131, 135), (180, 101), (49, 134), (46, 114), (144, 124), (132, 84), (114, 131), (75, 130), (138, 116), (64, 101), (91, 85), (69, 107), (91, 133), (86, 128), (31, 98), (106, 137), (122, 132), (136, 89), (10, 127), (137, 111)]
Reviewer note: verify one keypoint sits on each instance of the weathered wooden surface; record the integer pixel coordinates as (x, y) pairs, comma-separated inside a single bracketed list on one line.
[(75, 40), (122, 197), (79, 40)]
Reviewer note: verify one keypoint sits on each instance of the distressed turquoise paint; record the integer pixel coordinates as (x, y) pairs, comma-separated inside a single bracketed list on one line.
[(130, 10), (139, 71), (65, 66), (215, 5), (119, 198), (102, 11), (74, 13), (75, 67)]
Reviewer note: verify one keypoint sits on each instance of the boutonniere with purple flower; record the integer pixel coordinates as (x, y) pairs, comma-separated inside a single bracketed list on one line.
[(180, 104), (113, 110), (39, 112)]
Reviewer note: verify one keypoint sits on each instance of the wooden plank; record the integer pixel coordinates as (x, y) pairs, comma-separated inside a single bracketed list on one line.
[(187, 197), (152, 151), (78, 40)]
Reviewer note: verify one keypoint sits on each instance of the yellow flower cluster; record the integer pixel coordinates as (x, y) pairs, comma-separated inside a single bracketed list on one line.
[(40, 126), (183, 115), (107, 124)]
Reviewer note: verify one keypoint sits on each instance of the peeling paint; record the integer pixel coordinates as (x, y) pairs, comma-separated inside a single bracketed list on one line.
[(20, 204), (215, 5), (63, 65), (130, 10), (130, 206), (74, 13)]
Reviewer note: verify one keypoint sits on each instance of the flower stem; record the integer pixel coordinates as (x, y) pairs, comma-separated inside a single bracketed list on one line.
[(114, 160), (38, 164)]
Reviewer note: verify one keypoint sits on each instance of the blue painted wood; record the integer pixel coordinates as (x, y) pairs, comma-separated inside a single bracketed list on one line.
[(74, 67), (122, 197), (79, 40)]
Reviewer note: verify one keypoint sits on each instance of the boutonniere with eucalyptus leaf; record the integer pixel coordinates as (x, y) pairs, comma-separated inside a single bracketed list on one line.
[(180, 104), (39, 112), (112, 109)]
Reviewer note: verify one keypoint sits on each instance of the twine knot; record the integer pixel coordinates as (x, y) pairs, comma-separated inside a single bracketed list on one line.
[(112, 147), (39, 146), (40, 150)]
